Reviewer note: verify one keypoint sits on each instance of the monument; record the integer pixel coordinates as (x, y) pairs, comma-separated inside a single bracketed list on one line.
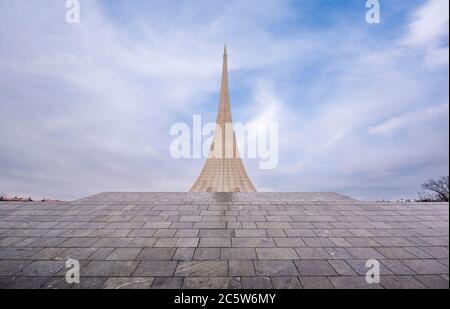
[(238, 239), (224, 170)]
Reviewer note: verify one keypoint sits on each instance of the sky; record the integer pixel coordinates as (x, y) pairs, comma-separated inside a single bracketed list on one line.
[(363, 109)]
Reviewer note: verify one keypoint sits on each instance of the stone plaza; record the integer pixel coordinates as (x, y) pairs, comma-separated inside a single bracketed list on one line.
[(223, 241)]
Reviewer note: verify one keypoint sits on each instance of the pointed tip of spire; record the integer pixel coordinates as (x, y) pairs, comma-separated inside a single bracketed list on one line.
[(225, 50)]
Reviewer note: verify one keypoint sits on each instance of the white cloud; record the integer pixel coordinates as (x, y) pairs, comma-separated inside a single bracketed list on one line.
[(410, 119), (429, 24), (266, 105), (429, 29)]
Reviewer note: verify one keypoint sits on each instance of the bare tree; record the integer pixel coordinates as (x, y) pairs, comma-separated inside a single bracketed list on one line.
[(438, 190)]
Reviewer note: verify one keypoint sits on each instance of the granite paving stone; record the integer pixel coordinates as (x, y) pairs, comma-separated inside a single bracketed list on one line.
[(166, 242), (187, 242), (241, 268), (110, 243), (394, 242), (202, 269), (184, 254), (395, 253), (436, 252), (100, 254), (182, 225), (191, 233), (276, 233), (338, 253), (433, 281), (273, 225), (397, 267), (12, 267), (157, 225), (353, 282), (216, 233), (109, 269), (313, 254), (342, 268), (167, 283), (315, 268), (128, 283), (215, 242), (207, 254), (41, 269), (251, 233), (210, 225), (362, 242), (222, 283), (124, 254), (426, 267), (418, 253), (24, 282), (286, 283), (90, 283), (49, 254), (140, 233), (318, 242), (165, 233), (276, 254), (359, 266), (10, 241), (256, 283), (79, 253), (401, 282), (241, 254), (316, 283), (40, 242), (156, 254), (289, 242), (155, 269), (58, 283), (365, 253), (142, 242), (275, 268), (253, 242)]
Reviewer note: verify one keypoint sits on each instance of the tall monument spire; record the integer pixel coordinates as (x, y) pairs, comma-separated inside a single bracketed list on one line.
[(224, 170)]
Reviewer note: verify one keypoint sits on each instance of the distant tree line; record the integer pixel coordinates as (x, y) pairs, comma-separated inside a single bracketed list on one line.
[(4, 198), (435, 190)]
